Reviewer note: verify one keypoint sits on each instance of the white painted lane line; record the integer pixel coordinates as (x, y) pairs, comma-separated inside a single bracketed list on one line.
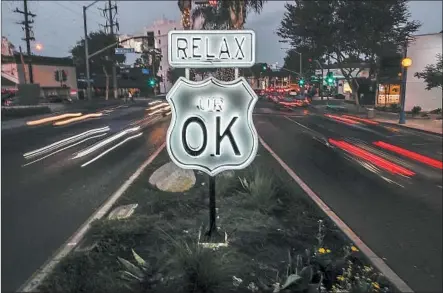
[(376, 261), (34, 281)]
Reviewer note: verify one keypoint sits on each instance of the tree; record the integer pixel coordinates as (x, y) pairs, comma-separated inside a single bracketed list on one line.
[(226, 15), (308, 56), (432, 74), (100, 62), (147, 58), (348, 31)]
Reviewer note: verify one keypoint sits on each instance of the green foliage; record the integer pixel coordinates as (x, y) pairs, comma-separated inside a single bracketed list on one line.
[(96, 41), (416, 110), (308, 57), (259, 192), (395, 108), (347, 31), (150, 59), (226, 14), (432, 74)]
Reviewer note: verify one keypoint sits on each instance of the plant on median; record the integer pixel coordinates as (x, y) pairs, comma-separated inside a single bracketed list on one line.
[(264, 215)]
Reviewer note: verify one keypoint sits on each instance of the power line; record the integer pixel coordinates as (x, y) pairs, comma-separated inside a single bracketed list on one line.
[(29, 34)]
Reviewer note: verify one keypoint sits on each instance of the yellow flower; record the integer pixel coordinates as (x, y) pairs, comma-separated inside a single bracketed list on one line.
[(375, 285), (353, 248), (321, 250), (340, 278), (328, 251)]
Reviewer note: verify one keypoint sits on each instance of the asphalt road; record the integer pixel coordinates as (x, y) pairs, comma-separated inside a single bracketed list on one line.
[(48, 195), (398, 216)]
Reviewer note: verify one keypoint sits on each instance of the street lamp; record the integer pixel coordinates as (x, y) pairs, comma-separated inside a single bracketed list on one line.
[(300, 54), (405, 63), (38, 47)]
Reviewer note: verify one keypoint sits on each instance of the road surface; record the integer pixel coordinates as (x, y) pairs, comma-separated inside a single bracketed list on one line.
[(396, 213), (47, 195)]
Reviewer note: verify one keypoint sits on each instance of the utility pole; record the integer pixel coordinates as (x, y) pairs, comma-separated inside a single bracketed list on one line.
[(111, 25), (29, 35), (85, 29)]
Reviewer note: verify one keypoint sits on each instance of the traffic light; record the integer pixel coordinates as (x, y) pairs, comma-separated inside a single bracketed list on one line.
[(301, 82), (150, 41), (56, 75), (330, 78), (152, 82), (64, 75), (264, 67)]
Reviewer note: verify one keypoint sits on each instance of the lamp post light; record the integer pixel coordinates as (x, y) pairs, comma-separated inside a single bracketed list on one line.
[(405, 63)]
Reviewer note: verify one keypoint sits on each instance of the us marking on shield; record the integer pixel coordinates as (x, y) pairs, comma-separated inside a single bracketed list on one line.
[(211, 126)]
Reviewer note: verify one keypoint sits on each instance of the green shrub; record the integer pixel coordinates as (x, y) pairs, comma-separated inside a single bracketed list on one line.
[(259, 192), (416, 110), (394, 108), (435, 111)]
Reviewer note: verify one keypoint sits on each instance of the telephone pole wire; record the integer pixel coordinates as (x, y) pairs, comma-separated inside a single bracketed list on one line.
[(29, 35)]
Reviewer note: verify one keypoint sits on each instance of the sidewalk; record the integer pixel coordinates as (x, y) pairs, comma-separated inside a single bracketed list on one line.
[(80, 106), (428, 125)]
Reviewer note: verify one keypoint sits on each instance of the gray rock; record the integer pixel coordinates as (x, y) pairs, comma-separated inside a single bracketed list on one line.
[(122, 212), (171, 178)]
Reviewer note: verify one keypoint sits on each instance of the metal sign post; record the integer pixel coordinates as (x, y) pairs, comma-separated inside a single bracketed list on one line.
[(211, 126)]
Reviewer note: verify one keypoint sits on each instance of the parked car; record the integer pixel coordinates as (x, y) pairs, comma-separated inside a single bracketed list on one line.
[(58, 99)]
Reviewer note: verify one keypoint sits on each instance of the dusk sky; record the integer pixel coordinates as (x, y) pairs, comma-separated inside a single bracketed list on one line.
[(59, 24)]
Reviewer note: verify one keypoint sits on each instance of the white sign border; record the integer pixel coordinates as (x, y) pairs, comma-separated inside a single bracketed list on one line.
[(251, 125), (247, 64)]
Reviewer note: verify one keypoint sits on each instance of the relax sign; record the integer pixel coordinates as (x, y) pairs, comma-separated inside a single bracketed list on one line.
[(209, 49)]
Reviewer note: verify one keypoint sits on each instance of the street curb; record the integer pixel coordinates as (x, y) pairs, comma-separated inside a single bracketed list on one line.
[(34, 281), (412, 128), (376, 261)]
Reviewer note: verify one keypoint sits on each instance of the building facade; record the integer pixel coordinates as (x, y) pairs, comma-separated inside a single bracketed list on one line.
[(15, 71), (423, 51), (161, 28)]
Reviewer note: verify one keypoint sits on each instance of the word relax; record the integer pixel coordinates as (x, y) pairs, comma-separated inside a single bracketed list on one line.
[(227, 133), (199, 48)]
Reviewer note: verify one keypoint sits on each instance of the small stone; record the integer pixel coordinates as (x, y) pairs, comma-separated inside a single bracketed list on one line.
[(122, 212), (171, 178)]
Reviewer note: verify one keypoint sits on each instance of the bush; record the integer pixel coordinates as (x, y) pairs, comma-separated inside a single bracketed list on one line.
[(23, 111), (416, 110), (435, 111), (394, 108)]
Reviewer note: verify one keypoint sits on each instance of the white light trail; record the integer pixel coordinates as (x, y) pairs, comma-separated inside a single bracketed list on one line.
[(64, 142), (65, 148), (110, 149), (104, 142)]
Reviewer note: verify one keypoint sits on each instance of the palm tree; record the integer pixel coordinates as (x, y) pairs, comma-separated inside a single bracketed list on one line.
[(223, 16), (185, 9)]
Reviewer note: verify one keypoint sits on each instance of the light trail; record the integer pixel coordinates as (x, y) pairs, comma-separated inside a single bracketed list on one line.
[(64, 142), (110, 149)]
